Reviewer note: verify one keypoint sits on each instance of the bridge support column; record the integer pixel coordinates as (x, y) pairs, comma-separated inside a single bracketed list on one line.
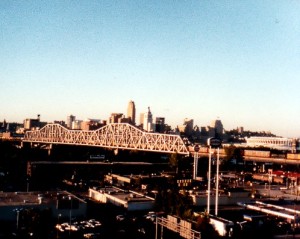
[(116, 151), (50, 149)]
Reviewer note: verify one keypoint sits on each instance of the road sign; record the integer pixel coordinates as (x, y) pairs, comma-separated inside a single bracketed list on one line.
[(214, 142), (196, 148)]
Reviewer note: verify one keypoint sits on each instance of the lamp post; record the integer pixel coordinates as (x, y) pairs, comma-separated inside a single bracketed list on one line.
[(295, 224), (18, 210), (213, 143), (70, 198), (208, 180), (217, 182), (270, 171), (196, 156), (58, 216), (18, 217), (27, 183)]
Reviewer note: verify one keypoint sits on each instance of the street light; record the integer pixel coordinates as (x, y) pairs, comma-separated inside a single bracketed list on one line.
[(208, 181), (296, 219), (270, 171), (70, 198), (196, 156), (217, 182), (27, 183), (213, 143), (18, 210), (58, 216)]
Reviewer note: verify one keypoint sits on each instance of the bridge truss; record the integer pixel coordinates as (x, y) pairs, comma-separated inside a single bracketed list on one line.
[(115, 136)]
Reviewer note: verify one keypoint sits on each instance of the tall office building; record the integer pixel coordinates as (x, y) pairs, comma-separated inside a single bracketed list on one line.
[(218, 127), (115, 118), (240, 129), (76, 124), (32, 123), (147, 124), (131, 112), (187, 127), (141, 119), (70, 120), (159, 124)]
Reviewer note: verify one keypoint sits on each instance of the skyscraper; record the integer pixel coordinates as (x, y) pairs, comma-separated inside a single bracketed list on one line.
[(141, 119), (147, 125), (115, 117), (159, 124), (218, 128), (70, 120), (131, 112), (187, 127)]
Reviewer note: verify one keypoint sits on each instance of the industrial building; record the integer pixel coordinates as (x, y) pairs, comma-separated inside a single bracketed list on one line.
[(127, 199)]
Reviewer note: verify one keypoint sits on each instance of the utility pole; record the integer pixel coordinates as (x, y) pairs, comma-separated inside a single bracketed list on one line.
[(196, 156), (208, 180), (217, 182)]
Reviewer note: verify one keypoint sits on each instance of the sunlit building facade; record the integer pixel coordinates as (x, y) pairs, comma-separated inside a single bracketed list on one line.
[(131, 112)]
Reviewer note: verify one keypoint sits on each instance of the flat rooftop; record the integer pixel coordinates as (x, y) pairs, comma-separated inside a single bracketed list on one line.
[(283, 211), (125, 195), (31, 198)]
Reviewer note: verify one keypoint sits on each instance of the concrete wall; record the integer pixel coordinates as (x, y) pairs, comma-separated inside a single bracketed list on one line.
[(234, 198)]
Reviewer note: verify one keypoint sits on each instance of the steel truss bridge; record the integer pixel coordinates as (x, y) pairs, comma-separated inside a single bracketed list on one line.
[(115, 136)]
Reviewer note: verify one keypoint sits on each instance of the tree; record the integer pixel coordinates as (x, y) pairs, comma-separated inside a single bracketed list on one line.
[(173, 162), (233, 152), (174, 203), (206, 229), (176, 162)]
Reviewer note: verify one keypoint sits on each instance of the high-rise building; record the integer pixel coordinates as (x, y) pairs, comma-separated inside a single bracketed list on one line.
[(218, 126), (32, 123), (91, 124), (114, 118), (70, 120), (131, 112), (123, 119), (159, 124), (240, 130), (141, 119), (147, 124), (76, 124), (187, 127)]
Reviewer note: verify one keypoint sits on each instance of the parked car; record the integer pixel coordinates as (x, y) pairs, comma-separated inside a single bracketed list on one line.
[(120, 218)]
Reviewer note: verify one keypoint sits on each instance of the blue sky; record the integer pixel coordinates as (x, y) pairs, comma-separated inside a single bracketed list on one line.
[(238, 61)]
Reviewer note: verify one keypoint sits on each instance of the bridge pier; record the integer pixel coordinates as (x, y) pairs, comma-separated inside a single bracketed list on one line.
[(50, 149), (116, 151)]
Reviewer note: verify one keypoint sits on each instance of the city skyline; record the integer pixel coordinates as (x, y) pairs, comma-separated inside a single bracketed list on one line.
[(236, 61), (143, 116)]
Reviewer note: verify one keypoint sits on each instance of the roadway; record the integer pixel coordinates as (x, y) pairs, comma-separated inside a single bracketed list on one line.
[(275, 192), (94, 163)]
